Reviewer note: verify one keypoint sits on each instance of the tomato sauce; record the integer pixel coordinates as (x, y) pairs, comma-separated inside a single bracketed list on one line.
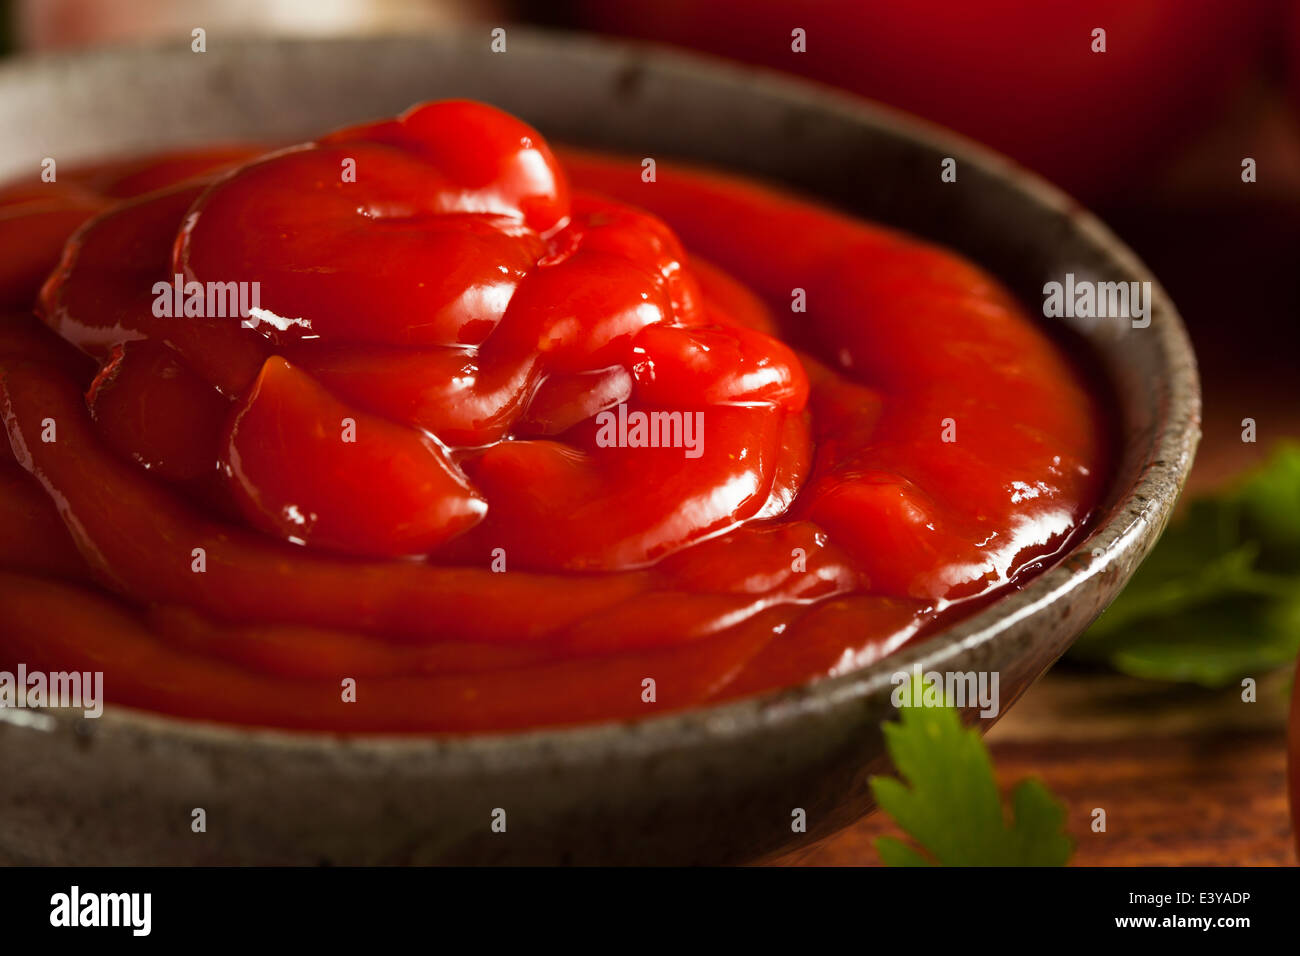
[(498, 438)]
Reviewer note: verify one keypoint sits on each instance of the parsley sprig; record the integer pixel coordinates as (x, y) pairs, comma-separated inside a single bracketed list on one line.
[(948, 799), (1219, 597)]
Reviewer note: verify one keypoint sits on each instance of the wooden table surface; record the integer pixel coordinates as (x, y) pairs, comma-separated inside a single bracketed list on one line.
[(1186, 776)]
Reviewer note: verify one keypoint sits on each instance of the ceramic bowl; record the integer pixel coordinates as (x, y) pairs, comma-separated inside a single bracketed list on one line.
[(716, 784)]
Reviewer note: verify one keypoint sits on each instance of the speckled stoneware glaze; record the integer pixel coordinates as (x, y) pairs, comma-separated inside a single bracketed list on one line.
[(712, 785)]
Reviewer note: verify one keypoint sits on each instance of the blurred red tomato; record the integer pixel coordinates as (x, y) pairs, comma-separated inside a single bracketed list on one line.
[(1019, 75)]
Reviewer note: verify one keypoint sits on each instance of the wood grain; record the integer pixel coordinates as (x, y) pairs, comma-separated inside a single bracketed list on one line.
[(1187, 777)]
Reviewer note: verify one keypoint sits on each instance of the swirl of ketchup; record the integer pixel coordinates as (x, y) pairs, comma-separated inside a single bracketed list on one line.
[(403, 405)]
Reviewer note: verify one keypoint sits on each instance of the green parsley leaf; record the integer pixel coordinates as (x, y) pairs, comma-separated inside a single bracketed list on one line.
[(950, 804), (1218, 599), (1269, 503)]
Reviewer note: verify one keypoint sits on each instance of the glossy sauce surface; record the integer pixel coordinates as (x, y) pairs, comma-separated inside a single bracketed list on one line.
[(414, 463)]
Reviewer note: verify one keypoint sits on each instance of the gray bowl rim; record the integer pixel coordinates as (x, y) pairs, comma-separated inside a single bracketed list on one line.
[(1137, 516)]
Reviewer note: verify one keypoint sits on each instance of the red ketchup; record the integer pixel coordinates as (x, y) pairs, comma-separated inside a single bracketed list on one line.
[(418, 428)]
